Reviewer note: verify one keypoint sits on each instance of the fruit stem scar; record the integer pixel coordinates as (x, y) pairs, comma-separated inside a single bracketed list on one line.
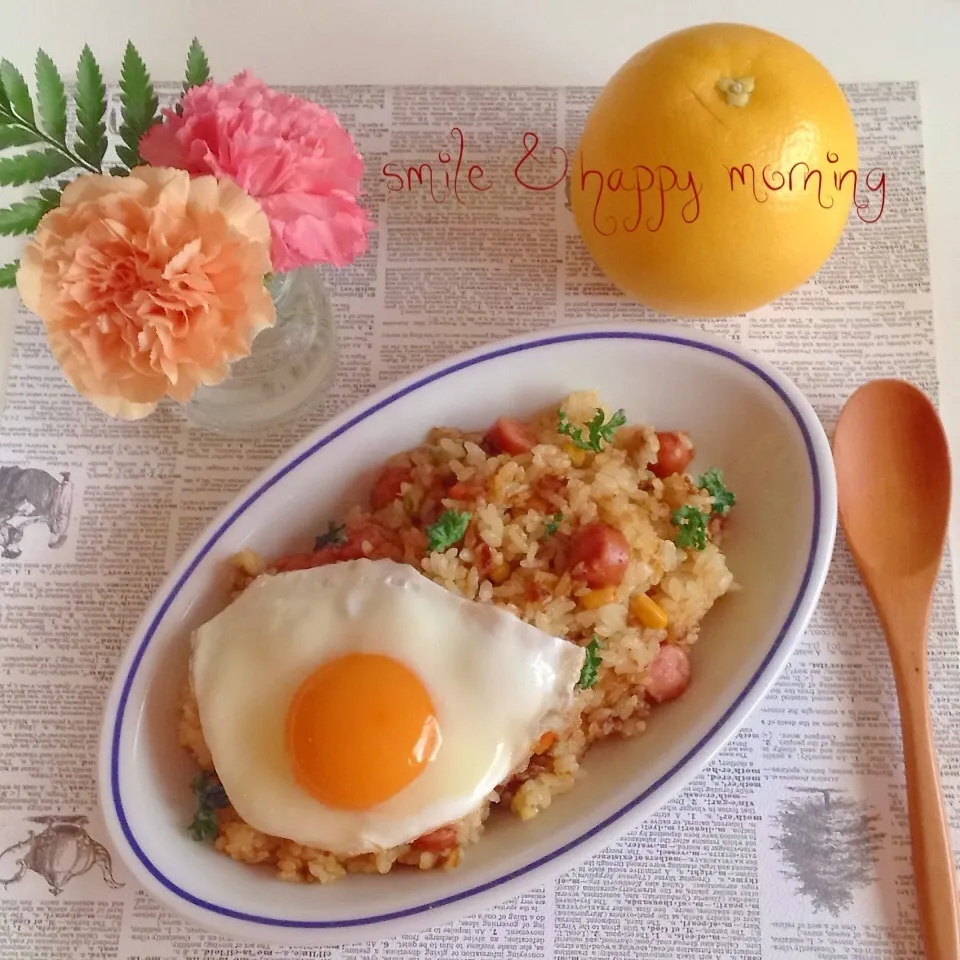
[(736, 90), (696, 96)]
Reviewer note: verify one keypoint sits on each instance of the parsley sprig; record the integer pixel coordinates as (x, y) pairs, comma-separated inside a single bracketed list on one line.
[(334, 537), (712, 482), (591, 664), (691, 524), (448, 530), (599, 431), (210, 798), (552, 525)]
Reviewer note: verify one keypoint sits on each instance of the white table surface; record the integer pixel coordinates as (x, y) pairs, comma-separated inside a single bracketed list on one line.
[(529, 42)]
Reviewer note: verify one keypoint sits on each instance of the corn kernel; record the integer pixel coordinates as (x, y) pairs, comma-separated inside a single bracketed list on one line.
[(648, 611), (452, 860), (599, 598), (577, 456), (500, 573), (249, 562)]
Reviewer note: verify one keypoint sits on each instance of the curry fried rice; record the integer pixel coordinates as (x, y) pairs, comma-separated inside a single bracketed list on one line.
[(577, 522)]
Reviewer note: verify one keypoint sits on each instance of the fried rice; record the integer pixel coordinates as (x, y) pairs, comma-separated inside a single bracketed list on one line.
[(525, 510)]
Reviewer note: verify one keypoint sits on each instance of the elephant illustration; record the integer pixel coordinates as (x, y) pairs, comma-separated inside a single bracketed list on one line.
[(61, 851), (29, 495)]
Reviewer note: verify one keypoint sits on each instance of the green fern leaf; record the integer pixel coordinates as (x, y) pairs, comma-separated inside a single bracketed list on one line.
[(138, 103), (51, 97), (8, 274), (18, 93), (4, 105), (23, 217), (198, 67), (91, 101), (127, 156), (32, 167), (11, 136)]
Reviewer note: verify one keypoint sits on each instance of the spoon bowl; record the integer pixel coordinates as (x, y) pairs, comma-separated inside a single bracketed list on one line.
[(890, 449), (893, 489)]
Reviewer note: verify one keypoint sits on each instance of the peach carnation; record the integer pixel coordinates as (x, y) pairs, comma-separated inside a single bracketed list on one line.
[(292, 155), (148, 285)]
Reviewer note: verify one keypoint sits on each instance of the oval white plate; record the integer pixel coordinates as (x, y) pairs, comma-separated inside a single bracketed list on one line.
[(745, 418)]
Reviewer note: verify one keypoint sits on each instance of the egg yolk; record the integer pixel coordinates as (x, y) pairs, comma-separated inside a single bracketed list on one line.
[(359, 729)]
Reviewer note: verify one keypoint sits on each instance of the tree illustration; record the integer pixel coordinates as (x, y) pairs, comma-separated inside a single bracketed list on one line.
[(828, 844)]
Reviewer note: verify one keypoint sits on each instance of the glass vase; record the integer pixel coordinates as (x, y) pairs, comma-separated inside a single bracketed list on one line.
[(290, 368)]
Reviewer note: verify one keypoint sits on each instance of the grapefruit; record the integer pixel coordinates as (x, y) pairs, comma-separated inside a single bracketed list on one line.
[(715, 171)]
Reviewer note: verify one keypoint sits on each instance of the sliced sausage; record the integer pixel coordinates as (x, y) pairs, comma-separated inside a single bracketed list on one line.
[(669, 674), (510, 436), (676, 452), (383, 545), (334, 553), (437, 841), (599, 554), (387, 487)]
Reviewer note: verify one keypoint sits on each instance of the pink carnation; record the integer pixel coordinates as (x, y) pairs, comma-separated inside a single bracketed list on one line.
[(291, 155)]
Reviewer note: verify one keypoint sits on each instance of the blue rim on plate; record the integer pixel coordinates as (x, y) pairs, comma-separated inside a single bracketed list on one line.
[(320, 444)]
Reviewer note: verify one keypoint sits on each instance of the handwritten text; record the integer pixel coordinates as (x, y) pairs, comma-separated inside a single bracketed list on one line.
[(658, 191)]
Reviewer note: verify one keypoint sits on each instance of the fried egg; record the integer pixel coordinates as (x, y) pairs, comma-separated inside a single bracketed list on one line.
[(357, 706)]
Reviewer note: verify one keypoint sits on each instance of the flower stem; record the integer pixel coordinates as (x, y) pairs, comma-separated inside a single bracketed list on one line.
[(61, 147)]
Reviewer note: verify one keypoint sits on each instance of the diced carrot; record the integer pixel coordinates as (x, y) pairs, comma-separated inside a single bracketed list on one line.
[(536, 592), (464, 490), (546, 741), (551, 484), (537, 504), (484, 557)]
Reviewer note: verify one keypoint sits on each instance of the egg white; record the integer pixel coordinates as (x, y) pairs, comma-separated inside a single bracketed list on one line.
[(496, 682)]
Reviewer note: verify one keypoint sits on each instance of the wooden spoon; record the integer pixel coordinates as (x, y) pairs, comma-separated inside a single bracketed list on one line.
[(893, 488)]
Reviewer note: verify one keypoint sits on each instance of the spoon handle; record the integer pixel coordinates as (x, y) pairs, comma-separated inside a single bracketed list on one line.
[(933, 864)]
